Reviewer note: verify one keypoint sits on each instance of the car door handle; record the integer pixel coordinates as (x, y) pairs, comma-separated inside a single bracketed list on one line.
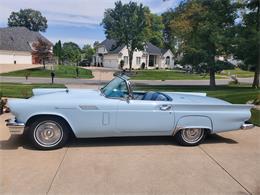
[(165, 107)]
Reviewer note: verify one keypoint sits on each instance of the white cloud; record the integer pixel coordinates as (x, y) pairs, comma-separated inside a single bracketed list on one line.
[(74, 12)]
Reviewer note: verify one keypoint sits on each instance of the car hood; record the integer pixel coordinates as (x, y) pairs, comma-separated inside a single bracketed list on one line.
[(61, 94)]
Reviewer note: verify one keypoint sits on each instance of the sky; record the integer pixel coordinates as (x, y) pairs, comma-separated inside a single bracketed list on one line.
[(74, 20)]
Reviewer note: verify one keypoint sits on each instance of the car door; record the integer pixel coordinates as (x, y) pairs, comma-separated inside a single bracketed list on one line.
[(140, 117)]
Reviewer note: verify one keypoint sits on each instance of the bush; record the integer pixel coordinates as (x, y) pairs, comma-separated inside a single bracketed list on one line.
[(224, 65)]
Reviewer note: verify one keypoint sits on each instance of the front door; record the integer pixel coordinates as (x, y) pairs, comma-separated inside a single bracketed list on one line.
[(140, 117)]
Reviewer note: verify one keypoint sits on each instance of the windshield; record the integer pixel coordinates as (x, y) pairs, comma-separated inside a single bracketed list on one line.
[(116, 88)]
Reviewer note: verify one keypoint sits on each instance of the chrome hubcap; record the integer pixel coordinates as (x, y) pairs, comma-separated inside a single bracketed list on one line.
[(48, 133), (192, 135)]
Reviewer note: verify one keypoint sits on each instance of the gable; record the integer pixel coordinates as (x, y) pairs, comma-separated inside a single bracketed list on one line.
[(168, 52)]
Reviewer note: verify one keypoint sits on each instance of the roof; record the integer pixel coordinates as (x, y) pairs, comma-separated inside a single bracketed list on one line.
[(164, 50), (19, 38), (112, 47), (152, 49)]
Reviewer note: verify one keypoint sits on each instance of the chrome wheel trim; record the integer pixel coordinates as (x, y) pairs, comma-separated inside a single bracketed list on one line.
[(192, 136), (48, 133)]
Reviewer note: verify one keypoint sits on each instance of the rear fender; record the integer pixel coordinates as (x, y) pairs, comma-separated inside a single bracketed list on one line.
[(188, 122)]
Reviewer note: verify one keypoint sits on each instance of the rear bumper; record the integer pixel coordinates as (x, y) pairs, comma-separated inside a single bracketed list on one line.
[(247, 126), (14, 126)]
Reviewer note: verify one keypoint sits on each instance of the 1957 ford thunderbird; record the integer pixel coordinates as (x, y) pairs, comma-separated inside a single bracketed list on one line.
[(50, 116)]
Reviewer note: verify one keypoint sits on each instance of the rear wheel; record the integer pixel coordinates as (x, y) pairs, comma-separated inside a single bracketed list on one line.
[(48, 133), (190, 137)]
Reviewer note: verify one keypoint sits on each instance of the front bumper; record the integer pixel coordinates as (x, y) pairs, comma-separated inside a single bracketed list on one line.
[(247, 126), (14, 126)]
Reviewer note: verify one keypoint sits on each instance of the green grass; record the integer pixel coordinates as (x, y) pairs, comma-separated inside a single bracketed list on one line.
[(233, 94), (60, 72), (167, 75), (255, 118), (240, 73), (23, 90)]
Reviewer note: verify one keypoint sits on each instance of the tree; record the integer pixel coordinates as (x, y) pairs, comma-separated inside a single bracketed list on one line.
[(126, 23), (95, 44), (57, 51), (88, 52), (42, 50), (169, 35), (154, 30), (204, 28), (247, 41), (71, 52), (29, 18)]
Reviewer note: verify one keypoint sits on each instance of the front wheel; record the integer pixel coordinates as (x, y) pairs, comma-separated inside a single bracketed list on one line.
[(190, 137), (48, 133)]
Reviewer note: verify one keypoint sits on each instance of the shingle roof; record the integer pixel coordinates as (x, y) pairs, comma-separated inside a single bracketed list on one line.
[(111, 47), (164, 50), (152, 49), (18, 38)]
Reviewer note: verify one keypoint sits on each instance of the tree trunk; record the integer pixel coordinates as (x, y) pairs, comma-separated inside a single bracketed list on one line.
[(130, 54), (256, 77), (257, 68), (43, 62), (212, 81)]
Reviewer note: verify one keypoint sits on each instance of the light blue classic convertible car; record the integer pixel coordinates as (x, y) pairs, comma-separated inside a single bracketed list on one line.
[(51, 116)]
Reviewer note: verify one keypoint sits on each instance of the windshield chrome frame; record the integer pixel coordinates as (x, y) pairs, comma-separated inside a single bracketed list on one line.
[(128, 85)]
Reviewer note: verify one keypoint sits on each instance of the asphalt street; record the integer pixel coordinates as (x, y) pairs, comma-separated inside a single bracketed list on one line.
[(101, 82)]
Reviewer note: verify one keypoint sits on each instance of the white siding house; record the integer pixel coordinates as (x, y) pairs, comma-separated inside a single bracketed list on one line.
[(16, 45), (109, 55)]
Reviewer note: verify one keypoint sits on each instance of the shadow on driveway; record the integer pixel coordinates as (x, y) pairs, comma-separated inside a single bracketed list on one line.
[(15, 142)]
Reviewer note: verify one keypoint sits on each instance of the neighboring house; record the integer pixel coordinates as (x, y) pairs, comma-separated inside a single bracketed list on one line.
[(108, 54), (16, 45)]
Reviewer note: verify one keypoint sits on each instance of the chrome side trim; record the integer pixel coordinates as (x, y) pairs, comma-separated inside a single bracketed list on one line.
[(15, 127), (247, 126), (88, 107)]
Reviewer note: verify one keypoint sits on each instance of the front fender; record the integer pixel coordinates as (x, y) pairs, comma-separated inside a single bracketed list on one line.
[(50, 114), (191, 121)]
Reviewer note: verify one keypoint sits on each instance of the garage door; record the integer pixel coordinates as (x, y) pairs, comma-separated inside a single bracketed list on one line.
[(110, 63), (15, 59)]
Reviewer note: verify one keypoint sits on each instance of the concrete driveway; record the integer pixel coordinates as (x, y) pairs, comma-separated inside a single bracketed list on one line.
[(228, 163)]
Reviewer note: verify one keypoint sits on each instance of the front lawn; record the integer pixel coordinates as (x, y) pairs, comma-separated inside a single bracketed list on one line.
[(23, 90), (233, 94), (167, 75), (238, 72), (60, 71)]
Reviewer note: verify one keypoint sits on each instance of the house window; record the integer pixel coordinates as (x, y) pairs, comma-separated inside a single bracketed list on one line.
[(138, 60), (126, 59), (167, 61), (155, 60)]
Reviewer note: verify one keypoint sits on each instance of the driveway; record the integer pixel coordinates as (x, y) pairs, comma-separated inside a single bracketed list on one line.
[(228, 163), (13, 67)]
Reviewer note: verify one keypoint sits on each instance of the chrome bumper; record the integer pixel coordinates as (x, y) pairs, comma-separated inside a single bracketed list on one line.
[(247, 126), (15, 127)]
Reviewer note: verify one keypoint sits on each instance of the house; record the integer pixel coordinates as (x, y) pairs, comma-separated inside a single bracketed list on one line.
[(16, 45), (108, 54)]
